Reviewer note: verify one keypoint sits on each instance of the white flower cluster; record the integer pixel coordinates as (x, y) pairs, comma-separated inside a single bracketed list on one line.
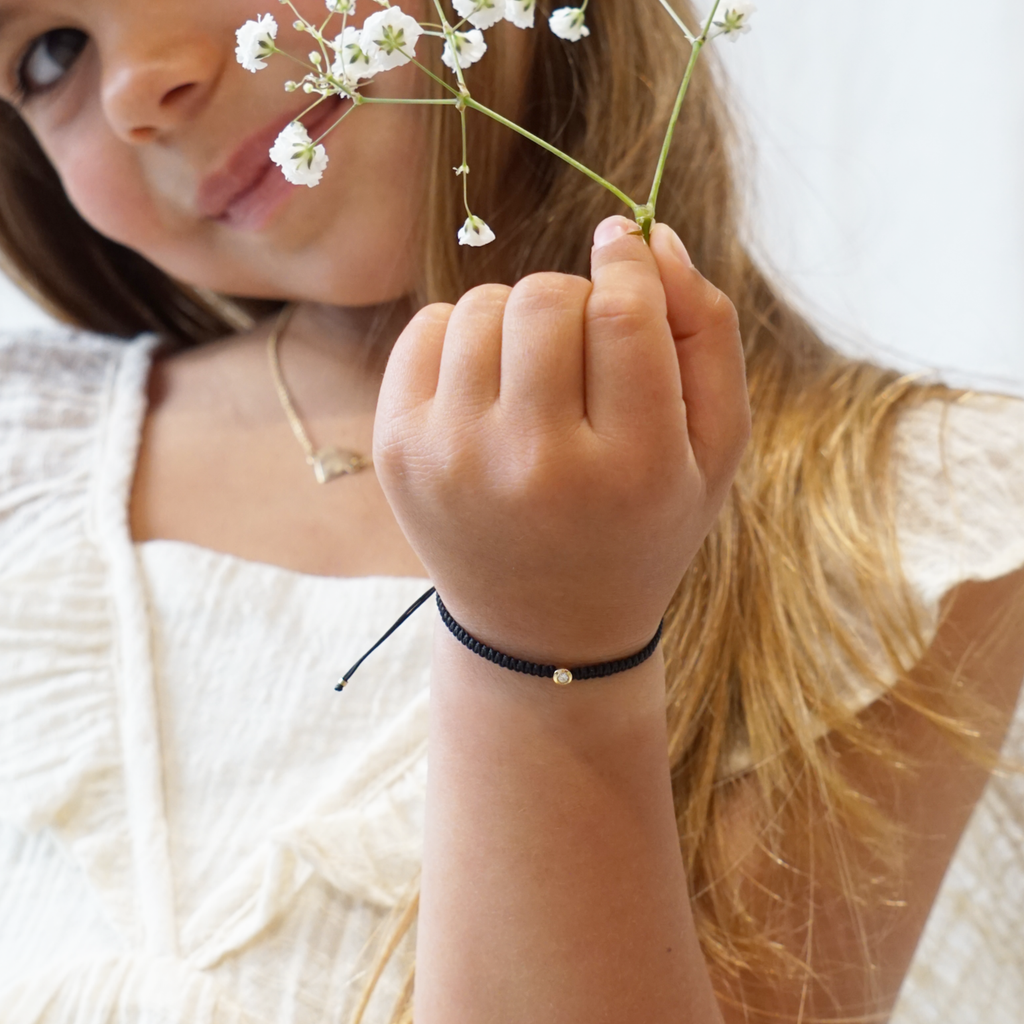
[(256, 41), (301, 161), (341, 65), (732, 19)]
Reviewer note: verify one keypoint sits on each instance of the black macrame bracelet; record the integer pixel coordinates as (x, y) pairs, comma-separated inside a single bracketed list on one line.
[(562, 676)]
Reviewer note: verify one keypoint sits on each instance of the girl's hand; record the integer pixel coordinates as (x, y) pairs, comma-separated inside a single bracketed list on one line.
[(557, 452)]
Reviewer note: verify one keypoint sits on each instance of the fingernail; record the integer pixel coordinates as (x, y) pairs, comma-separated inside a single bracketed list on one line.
[(679, 249), (611, 228)]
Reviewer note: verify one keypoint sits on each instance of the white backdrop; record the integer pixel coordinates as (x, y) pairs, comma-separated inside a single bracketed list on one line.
[(887, 176)]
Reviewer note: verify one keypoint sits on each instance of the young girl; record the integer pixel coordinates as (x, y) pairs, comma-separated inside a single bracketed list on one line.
[(576, 436)]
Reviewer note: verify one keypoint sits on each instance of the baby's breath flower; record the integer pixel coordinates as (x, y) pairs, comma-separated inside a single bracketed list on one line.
[(475, 232), (389, 38), (352, 63), (520, 12), (255, 41), (732, 19), (469, 46), (480, 13), (567, 23), (300, 161), (341, 6)]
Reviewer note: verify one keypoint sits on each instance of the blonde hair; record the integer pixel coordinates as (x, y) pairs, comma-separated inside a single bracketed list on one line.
[(754, 641)]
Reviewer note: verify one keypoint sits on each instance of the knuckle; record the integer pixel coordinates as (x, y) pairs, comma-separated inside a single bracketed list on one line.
[(624, 308), (428, 321), (722, 312), (486, 297), (544, 292), (436, 312)]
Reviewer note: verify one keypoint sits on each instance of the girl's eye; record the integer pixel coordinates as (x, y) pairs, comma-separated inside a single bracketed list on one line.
[(48, 59)]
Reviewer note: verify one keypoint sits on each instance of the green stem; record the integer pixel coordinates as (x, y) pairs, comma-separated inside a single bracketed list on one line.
[(698, 45), (453, 102), (298, 60), (465, 161), (618, 193), (312, 106), (450, 36), (440, 81), (335, 125)]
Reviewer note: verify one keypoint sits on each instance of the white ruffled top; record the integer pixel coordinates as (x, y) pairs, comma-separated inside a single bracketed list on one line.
[(196, 829)]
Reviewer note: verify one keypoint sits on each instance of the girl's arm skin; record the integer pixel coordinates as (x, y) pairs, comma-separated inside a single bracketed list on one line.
[(536, 448)]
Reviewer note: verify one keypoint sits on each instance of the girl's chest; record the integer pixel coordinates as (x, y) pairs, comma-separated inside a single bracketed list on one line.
[(255, 743)]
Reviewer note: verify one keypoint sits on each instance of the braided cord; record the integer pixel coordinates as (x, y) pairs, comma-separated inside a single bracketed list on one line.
[(531, 668)]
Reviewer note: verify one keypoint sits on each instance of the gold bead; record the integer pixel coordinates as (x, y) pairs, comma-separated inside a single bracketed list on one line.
[(562, 676)]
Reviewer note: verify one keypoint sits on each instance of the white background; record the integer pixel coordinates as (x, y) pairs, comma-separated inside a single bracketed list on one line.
[(886, 169)]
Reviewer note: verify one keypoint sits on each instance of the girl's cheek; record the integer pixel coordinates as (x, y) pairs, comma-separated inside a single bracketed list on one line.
[(104, 181)]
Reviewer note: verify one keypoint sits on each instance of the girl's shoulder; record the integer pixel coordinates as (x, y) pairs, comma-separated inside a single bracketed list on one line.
[(959, 491), (59, 389), (71, 409)]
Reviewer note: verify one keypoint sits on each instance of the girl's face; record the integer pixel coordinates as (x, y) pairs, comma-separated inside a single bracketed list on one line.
[(161, 141)]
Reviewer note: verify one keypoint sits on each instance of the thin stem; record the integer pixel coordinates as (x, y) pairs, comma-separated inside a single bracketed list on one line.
[(298, 16), (698, 45), (450, 35), (464, 169), (679, 21), (440, 81), (453, 102), (298, 60), (594, 176), (312, 106), (335, 125)]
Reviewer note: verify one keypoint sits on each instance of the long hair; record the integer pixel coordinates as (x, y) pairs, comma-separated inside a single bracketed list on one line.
[(754, 639)]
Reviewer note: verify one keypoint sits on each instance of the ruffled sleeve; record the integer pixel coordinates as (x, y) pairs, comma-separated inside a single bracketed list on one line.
[(960, 492), (961, 517), (958, 473), (61, 771)]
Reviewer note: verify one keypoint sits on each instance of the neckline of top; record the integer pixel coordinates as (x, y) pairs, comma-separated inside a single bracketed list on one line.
[(119, 454), (197, 552)]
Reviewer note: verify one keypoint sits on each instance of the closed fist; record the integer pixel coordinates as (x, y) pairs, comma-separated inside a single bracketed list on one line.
[(557, 452)]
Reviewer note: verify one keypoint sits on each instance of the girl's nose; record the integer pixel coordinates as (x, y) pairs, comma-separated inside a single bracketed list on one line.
[(151, 85)]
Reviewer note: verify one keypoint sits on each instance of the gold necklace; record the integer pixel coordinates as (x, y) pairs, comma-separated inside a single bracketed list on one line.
[(330, 462)]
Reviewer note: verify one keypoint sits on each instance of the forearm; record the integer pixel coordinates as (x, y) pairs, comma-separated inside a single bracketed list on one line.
[(553, 888)]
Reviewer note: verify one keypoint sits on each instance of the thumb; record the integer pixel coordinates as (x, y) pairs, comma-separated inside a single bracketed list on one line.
[(712, 367)]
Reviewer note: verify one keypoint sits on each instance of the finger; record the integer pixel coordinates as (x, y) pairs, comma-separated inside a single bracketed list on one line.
[(632, 375), (542, 348), (471, 362), (415, 361), (712, 367)]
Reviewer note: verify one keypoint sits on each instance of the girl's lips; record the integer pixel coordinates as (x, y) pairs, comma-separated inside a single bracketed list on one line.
[(249, 188)]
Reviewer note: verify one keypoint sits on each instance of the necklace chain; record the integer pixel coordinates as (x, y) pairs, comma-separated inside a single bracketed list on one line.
[(328, 463)]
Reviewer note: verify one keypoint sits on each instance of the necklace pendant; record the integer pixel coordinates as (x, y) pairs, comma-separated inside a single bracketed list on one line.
[(330, 463)]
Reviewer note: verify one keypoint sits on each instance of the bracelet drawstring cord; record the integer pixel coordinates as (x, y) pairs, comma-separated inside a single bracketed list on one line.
[(401, 618), (561, 676)]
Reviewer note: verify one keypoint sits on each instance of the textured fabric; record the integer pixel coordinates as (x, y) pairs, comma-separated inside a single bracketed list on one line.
[(196, 829)]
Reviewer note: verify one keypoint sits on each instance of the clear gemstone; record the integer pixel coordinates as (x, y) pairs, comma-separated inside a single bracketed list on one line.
[(562, 676)]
